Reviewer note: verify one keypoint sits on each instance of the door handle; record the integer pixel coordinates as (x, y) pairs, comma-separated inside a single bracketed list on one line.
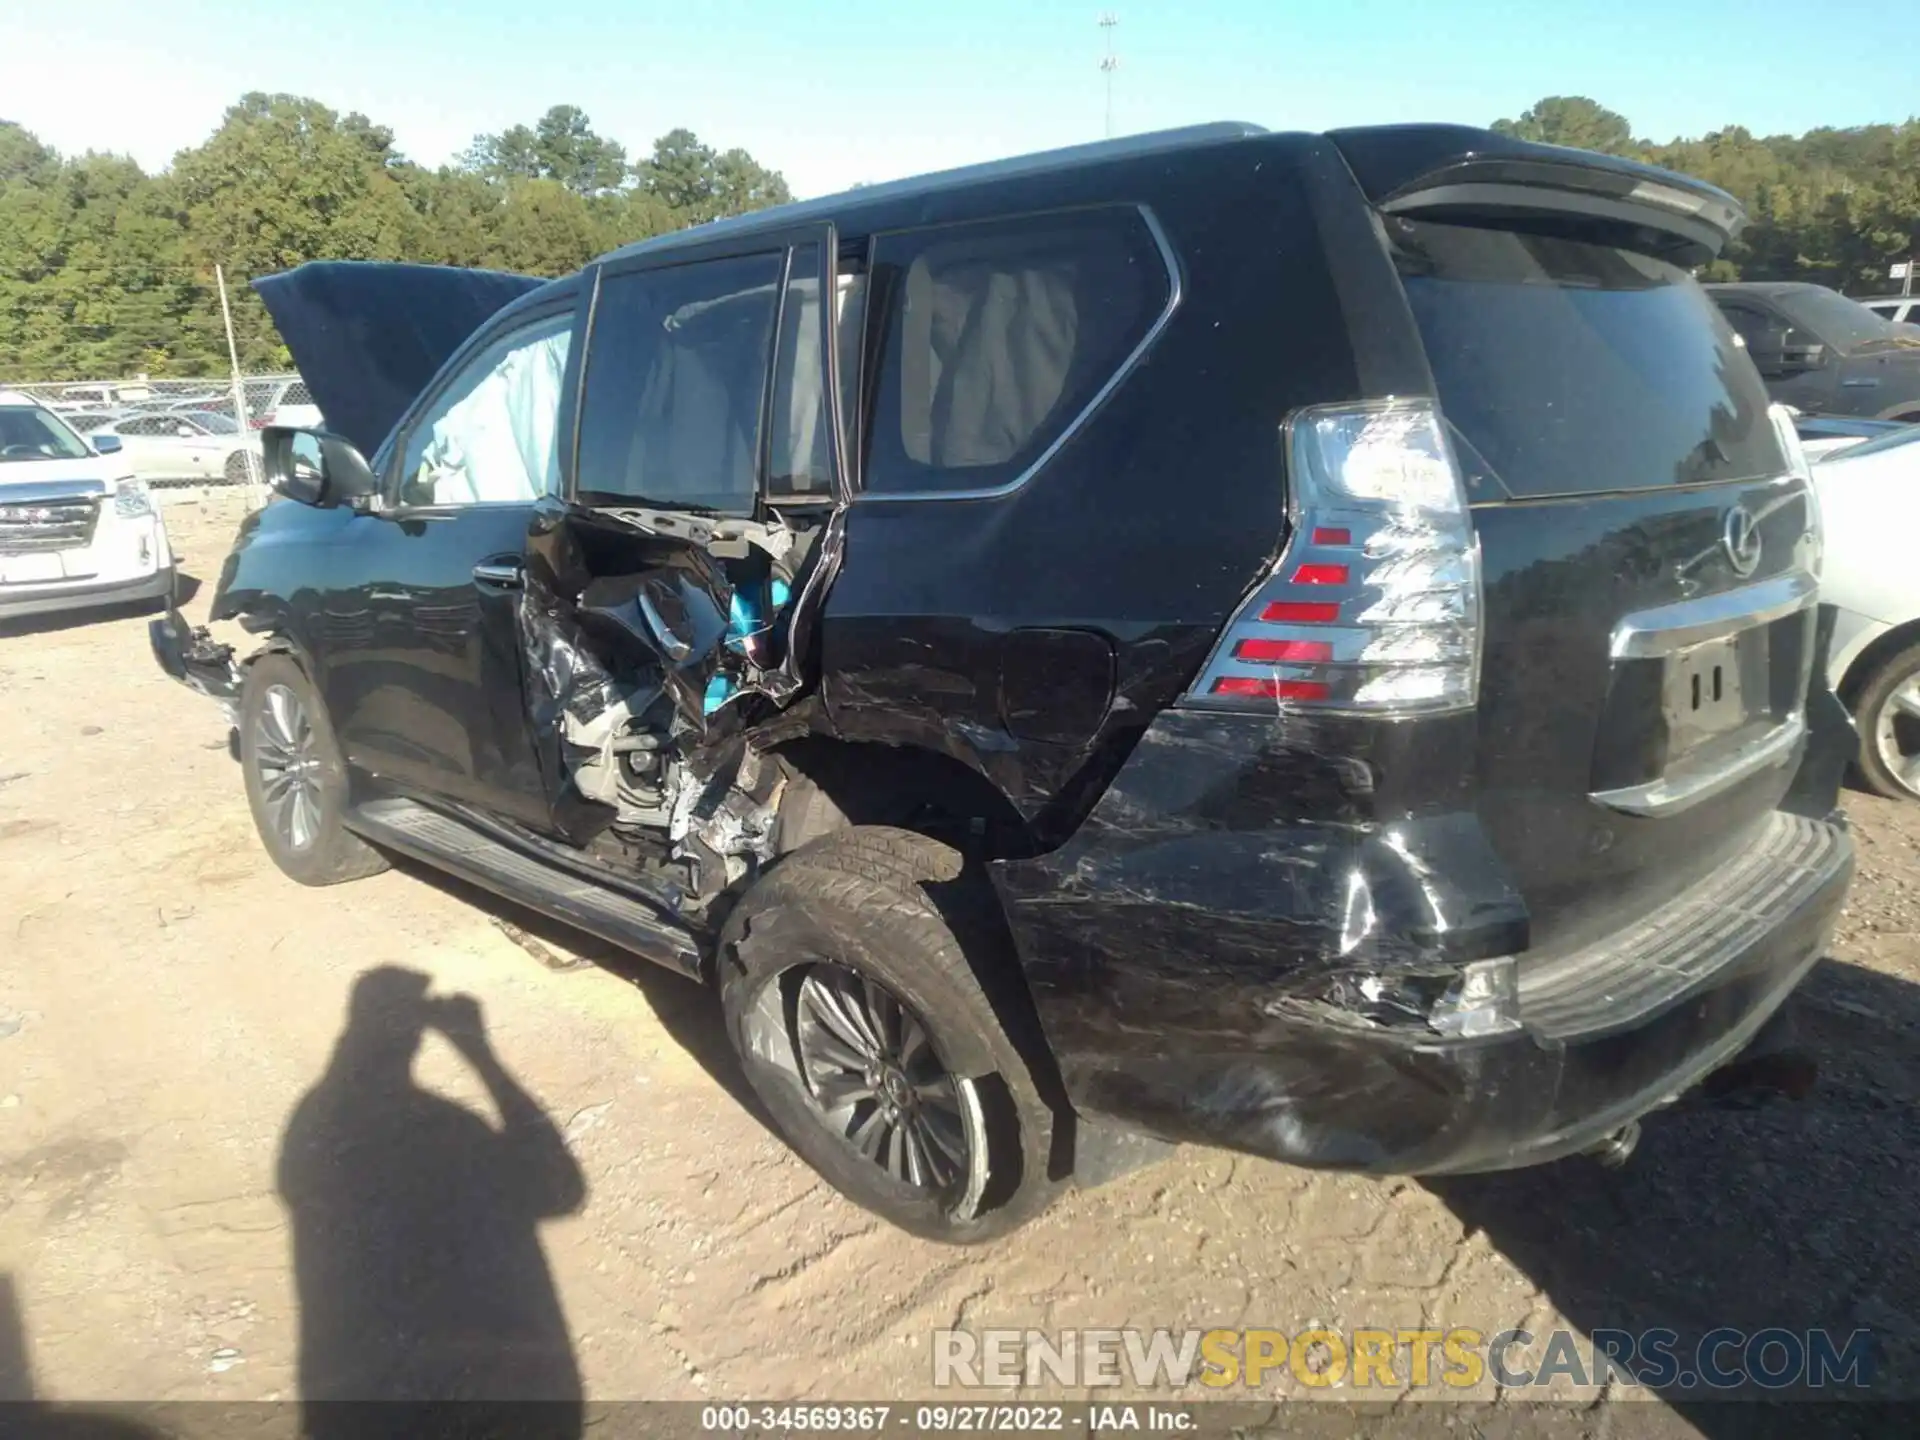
[(505, 575)]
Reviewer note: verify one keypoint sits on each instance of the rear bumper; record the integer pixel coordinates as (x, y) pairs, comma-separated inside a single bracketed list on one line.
[(1234, 950), (22, 600), (1607, 1034)]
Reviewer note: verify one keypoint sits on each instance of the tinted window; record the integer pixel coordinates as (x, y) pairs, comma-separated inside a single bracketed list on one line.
[(1568, 368), (213, 423), (799, 463), (993, 337), (29, 433), (1833, 318), (491, 437), (676, 373), (1750, 324)]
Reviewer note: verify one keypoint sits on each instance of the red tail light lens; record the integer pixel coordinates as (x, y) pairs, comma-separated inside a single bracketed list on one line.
[(1321, 575), (1283, 652), (1252, 687), (1395, 630), (1300, 612)]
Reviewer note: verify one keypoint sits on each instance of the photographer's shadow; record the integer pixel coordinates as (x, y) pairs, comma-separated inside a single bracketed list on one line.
[(415, 1224)]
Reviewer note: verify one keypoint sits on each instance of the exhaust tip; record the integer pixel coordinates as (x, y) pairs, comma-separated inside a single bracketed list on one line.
[(1616, 1149)]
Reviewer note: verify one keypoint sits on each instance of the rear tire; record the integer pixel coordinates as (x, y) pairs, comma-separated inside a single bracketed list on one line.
[(867, 1033), (1888, 715), (296, 780), (237, 470)]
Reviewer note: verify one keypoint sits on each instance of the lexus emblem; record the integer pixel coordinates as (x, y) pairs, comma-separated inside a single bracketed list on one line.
[(1741, 540)]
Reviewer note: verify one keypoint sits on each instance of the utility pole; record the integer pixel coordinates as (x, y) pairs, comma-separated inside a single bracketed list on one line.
[(1109, 63), (239, 390)]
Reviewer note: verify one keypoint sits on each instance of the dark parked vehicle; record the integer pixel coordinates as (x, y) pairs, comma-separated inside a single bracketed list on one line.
[(1819, 351), (1303, 643)]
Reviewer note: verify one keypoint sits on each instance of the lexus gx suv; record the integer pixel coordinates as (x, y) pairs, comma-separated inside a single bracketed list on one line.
[(1307, 644)]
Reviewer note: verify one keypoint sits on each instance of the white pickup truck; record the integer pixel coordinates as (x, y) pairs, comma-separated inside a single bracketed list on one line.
[(77, 529)]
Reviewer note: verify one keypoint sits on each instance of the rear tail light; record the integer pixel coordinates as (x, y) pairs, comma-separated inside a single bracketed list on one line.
[(1799, 464), (1374, 605)]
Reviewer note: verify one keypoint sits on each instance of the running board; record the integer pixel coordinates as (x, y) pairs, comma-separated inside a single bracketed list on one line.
[(460, 849)]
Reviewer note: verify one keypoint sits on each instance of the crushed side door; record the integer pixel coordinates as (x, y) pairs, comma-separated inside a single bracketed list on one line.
[(656, 640)]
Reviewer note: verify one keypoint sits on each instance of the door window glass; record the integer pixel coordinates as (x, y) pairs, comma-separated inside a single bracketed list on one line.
[(676, 373), (995, 336), (1750, 324), (492, 436), (800, 466)]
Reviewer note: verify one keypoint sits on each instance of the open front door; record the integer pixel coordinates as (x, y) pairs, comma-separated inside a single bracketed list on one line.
[(420, 661)]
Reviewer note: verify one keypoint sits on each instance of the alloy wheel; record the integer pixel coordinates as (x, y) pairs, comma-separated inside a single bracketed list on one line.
[(288, 761), (1896, 734), (873, 1074)]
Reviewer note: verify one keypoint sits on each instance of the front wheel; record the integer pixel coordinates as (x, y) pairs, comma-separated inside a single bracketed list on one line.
[(1888, 714), (296, 781), (237, 470), (866, 1032)]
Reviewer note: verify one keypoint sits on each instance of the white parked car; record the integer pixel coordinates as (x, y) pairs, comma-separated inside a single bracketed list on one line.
[(1901, 309), (77, 527), (101, 396), (285, 401), (1870, 502), (185, 445)]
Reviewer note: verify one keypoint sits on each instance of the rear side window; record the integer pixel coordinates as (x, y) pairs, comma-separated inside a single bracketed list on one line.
[(993, 337), (676, 371), (1566, 368)]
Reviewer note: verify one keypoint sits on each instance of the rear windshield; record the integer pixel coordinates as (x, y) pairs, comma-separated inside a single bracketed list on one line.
[(1566, 368)]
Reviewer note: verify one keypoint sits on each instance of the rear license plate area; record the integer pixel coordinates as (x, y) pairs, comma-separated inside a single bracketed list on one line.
[(1715, 688)]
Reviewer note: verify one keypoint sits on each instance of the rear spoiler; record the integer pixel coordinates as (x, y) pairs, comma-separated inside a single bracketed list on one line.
[(1457, 173)]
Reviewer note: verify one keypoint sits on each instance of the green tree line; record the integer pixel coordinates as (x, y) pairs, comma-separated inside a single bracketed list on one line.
[(1836, 207), (106, 270)]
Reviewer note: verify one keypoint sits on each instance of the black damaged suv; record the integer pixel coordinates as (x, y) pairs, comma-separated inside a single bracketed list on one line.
[(1303, 643)]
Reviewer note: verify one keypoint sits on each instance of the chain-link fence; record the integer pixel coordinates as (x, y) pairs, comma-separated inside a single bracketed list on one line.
[(181, 432)]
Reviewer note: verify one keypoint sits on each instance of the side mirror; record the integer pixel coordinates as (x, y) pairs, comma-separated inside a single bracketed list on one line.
[(106, 444), (185, 431), (1788, 351), (314, 467)]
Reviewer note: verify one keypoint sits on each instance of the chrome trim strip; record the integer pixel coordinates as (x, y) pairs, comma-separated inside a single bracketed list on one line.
[(1671, 794), (1127, 366), (1649, 634), (40, 492)]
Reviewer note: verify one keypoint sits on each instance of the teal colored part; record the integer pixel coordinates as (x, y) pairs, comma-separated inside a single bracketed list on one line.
[(741, 619), (718, 689), (779, 592)]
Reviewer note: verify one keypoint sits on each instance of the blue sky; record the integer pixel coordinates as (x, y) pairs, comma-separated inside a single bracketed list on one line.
[(832, 93)]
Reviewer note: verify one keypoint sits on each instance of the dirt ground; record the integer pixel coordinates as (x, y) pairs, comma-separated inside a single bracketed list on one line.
[(167, 999)]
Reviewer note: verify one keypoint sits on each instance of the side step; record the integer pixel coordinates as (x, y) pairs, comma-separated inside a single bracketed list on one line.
[(448, 844)]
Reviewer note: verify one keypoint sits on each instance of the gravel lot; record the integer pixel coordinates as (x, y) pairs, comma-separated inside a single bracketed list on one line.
[(167, 999)]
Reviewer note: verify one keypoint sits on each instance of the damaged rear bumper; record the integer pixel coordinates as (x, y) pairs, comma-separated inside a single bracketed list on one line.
[(192, 657), (1225, 1025)]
